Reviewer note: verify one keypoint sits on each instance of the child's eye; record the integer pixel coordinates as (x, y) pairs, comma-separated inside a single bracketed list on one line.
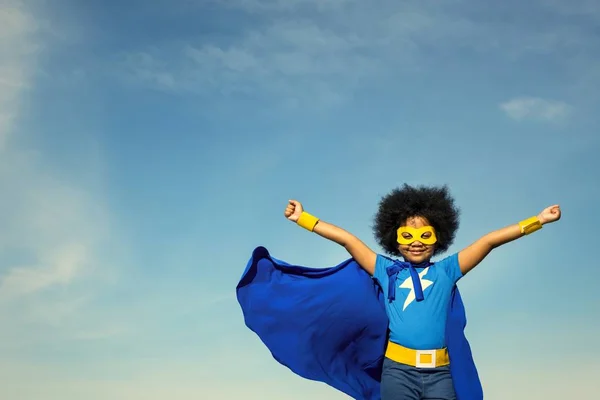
[(406, 235), (426, 235)]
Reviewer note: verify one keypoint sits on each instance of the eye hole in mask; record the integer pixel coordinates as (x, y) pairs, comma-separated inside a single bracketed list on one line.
[(408, 235)]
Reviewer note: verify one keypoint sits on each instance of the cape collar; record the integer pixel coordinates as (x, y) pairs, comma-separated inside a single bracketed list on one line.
[(394, 270)]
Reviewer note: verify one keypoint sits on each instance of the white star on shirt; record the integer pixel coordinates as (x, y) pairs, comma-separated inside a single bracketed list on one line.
[(408, 284)]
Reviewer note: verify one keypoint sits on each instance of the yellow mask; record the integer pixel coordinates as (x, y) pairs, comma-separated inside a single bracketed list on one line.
[(419, 234)]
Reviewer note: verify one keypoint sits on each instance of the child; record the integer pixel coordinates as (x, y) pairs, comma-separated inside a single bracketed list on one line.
[(417, 223)]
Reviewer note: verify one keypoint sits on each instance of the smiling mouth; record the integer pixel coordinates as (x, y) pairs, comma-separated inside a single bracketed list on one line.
[(416, 251)]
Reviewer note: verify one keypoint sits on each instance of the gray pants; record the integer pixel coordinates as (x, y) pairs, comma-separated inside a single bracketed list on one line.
[(403, 382)]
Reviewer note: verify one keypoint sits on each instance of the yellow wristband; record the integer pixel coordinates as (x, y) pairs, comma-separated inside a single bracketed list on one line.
[(530, 225), (307, 221)]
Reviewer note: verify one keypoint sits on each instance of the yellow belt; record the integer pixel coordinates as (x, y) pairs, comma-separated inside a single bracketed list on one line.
[(417, 358)]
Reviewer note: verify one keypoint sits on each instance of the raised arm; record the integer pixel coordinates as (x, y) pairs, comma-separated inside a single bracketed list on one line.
[(363, 255), (476, 252)]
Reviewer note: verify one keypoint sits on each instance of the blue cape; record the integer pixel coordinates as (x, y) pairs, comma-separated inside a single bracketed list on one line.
[(330, 325)]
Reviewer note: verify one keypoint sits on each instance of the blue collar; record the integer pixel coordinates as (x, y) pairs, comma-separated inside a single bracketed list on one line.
[(394, 270)]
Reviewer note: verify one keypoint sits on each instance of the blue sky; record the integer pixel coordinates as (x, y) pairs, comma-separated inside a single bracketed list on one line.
[(146, 149)]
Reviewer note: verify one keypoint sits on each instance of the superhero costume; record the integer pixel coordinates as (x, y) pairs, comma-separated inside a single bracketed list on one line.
[(330, 324)]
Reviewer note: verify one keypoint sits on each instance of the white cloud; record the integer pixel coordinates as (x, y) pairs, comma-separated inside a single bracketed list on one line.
[(53, 229), (536, 108), (16, 27), (320, 53), (318, 61), (58, 269), (300, 61)]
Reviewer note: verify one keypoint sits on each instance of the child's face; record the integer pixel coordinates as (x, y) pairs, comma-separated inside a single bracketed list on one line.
[(416, 252)]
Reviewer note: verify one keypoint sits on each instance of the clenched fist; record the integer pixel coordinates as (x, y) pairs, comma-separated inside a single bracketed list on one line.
[(293, 210), (549, 214)]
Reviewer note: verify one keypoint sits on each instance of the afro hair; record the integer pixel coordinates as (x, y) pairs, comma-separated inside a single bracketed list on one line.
[(432, 203)]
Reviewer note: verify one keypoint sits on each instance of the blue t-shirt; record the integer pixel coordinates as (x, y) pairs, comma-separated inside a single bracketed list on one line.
[(419, 325)]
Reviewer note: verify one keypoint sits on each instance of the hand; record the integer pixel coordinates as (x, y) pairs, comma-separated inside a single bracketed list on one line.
[(293, 210), (549, 214)]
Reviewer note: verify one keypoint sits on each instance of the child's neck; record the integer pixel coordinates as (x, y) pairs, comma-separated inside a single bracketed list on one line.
[(422, 264)]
